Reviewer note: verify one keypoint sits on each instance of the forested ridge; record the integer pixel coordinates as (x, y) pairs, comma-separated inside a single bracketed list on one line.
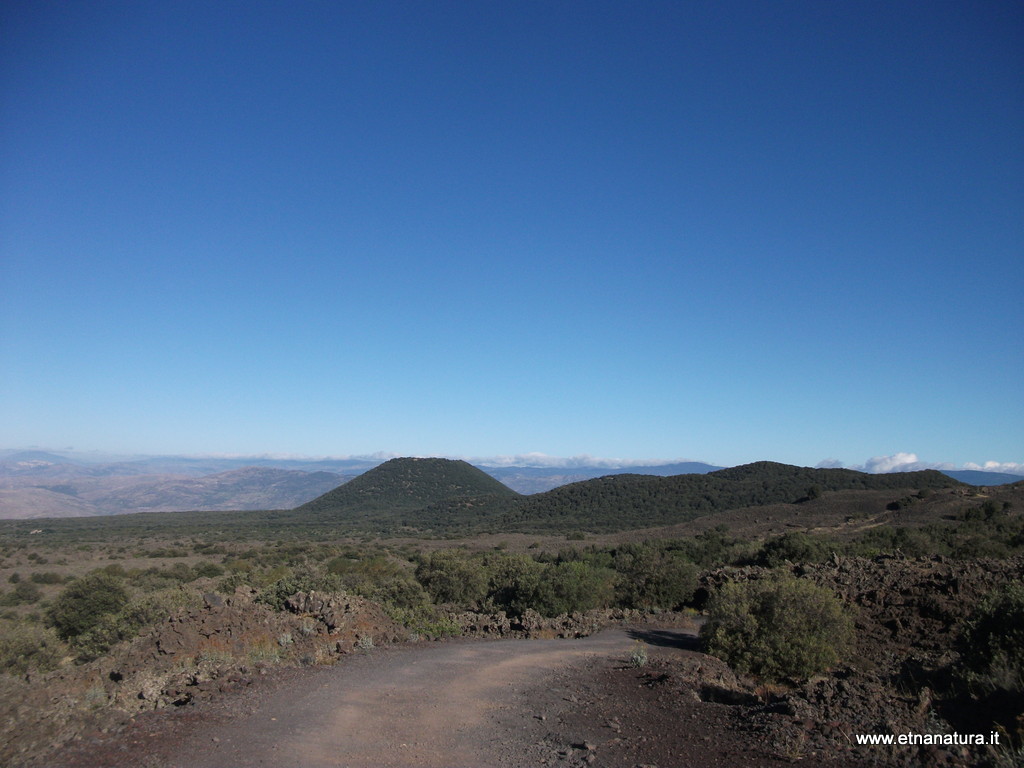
[(620, 502), (610, 503)]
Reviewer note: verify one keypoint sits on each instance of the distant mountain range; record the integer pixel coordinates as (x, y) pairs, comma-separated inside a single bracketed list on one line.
[(43, 485), (540, 479), (46, 484), (980, 477)]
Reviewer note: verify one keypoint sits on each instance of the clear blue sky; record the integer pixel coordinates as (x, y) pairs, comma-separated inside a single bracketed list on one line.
[(725, 231)]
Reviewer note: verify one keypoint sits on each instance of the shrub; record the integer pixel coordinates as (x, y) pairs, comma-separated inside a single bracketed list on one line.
[(711, 547), (450, 576), (28, 646), (513, 582), (570, 587), (638, 655), (401, 591), (651, 578), (24, 592), (136, 615), (379, 578), (779, 627), (47, 577), (208, 570), (82, 604), (425, 621), (795, 547), (115, 569), (276, 593), (993, 645)]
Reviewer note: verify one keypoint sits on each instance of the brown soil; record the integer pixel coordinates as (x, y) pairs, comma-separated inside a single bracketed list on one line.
[(460, 703)]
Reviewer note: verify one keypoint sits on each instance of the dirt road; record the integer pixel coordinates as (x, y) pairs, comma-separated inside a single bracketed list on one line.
[(431, 705), (459, 704)]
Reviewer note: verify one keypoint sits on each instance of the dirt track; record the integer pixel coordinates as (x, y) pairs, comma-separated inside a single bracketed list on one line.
[(423, 706), (457, 704)]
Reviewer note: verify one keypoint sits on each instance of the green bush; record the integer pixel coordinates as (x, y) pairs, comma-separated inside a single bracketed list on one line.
[(47, 577), (993, 645), (275, 593), (513, 582), (709, 548), (575, 586), (24, 593), (780, 627), (26, 646), (136, 615), (83, 603), (208, 570), (451, 576), (399, 590), (795, 547), (651, 578)]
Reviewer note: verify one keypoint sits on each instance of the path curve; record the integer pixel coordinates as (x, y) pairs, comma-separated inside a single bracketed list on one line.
[(424, 706)]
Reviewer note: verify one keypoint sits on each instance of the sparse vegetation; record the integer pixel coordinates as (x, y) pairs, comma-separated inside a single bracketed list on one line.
[(638, 655)]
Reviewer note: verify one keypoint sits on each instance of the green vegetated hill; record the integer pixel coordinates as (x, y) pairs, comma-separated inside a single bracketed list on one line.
[(620, 502), (399, 486), (446, 496)]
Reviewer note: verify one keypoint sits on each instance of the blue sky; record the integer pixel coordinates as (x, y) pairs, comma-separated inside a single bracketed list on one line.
[(723, 231)]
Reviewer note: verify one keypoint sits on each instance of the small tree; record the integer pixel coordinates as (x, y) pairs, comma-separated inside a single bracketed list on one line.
[(82, 604), (779, 627)]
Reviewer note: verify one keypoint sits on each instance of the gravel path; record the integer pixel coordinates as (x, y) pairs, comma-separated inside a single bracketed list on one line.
[(456, 704), (431, 705)]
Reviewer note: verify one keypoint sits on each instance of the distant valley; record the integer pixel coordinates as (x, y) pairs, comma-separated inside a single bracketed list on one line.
[(34, 485)]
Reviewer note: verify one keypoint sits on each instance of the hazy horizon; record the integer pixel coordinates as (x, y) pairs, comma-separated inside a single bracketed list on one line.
[(902, 462)]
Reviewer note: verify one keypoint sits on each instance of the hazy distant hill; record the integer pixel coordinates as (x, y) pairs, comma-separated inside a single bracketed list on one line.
[(29, 503), (41, 463), (56, 491), (539, 479), (981, 477), (402, 485)]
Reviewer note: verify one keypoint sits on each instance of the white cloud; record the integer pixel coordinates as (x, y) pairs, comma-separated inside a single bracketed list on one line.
[(898, 462), (910, 462), (877, 465), (1010, 467)]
